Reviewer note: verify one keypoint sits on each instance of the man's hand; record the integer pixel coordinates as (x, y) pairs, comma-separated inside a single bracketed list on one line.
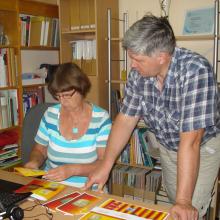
[(184, 210), (99, 177), (60, 173)]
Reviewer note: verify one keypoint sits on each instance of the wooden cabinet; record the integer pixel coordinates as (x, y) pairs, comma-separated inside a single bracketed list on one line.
[(11, 89), (83, 25)]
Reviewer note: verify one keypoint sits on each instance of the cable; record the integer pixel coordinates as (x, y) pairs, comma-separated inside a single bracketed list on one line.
[(48, 213)]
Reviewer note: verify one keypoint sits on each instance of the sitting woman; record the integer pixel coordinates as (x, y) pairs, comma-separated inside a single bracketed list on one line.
[(72, 135)]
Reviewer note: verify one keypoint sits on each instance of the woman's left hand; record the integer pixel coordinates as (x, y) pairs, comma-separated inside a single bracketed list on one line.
[(59, 173)]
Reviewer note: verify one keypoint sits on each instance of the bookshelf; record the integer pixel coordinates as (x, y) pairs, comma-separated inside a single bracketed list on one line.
[(11, 68), (39, 43), (83, 24)]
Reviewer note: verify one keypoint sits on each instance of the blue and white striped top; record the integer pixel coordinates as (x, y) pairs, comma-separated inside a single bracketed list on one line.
[(81, 151)]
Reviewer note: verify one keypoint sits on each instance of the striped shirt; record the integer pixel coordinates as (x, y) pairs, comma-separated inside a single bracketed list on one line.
[(81, 151), (188, 101)]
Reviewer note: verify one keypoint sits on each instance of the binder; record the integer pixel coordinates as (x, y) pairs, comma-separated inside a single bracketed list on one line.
[(37, 26)]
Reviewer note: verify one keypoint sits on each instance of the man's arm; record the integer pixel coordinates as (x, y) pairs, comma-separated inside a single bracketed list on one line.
[(119, 136), (188, 160)]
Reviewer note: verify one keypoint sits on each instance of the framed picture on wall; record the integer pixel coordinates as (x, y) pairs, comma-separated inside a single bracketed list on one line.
[(199, 21)]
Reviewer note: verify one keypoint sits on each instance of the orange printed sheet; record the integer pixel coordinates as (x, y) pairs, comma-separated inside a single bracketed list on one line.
[(61, 201), (135, 210), (79, 204), (94, 215)]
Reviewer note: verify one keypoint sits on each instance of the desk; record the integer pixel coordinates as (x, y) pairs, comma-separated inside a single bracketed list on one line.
[(13, 177)]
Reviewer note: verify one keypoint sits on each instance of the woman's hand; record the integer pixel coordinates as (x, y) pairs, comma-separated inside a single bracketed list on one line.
[(60, 173), (31, 165), (184, 211)]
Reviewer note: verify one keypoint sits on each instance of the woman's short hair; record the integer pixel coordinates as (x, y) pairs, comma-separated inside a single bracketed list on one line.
[(69, 76), (149, 35)]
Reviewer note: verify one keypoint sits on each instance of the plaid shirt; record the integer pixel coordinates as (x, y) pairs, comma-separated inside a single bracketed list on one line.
[(187, 102)]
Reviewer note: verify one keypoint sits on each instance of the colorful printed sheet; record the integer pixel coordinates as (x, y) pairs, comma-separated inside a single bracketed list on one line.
[(97, 216), (79, 204), (135, 210), (61, 201)]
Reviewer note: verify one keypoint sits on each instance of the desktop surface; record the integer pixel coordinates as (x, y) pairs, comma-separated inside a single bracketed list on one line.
[(41, 212)]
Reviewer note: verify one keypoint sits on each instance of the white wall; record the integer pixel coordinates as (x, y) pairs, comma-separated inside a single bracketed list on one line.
[(137, 8), (31, 60)]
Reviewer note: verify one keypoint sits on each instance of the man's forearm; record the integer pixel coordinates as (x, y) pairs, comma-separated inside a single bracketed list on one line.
[(119, 136), (188, 166)]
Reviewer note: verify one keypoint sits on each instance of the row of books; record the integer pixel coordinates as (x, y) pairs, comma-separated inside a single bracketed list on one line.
[(139, 150), (161, 196), (39, 31), (8, 108), (83, 49), (8, 67), (8, 154), (32, 97), (8, 148), (82, 15), (135, 182)]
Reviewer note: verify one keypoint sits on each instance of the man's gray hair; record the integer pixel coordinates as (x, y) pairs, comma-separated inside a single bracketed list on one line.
[(149, 35)]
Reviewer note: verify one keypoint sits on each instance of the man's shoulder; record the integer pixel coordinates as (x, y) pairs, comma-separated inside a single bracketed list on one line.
[(188, 60), (190, 56)]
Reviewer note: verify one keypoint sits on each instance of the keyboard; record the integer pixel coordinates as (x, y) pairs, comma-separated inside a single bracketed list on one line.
[(9, 198)]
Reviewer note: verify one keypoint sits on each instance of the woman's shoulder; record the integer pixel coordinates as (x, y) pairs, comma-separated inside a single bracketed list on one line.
[(99, 112), (99, 109), (53, 110)]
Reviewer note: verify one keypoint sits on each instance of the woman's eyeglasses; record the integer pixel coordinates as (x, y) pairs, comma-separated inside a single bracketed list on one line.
[(65, 95)]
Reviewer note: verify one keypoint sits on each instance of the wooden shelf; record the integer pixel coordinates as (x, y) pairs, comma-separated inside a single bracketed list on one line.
[(134, 165), (38, 8), (10, 12), (8, 129), (8, 5), (117, 81), (115, 39), (39, 48), (195, 37), (82, 31), (8, 88), (8, 46), (87, 20), (181, 38), (34, 85)]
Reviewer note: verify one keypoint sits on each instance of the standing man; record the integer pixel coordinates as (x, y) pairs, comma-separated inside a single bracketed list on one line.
[(175, 91)]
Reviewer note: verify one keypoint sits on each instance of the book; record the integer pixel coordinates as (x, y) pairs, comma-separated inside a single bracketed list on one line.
[(37, 24), (41, 189), (79, 205), (74, 15), (29, 172), (147, 159), (4, 112), (161, 197)]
